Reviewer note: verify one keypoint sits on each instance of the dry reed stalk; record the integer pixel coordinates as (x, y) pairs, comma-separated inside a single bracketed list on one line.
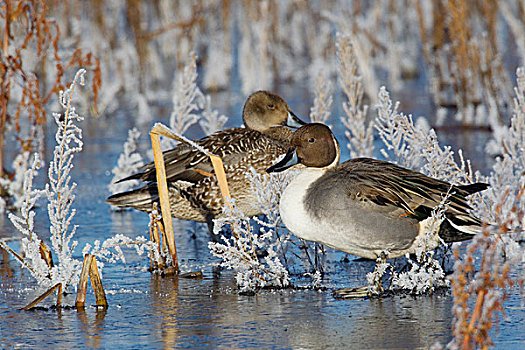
[(80, 301), (489, 284), (475, 315), (422, 30), (90, 270), (489, 9), (162, 187), (96, 284), (41, 36), (156, 231), (134, 16), (218, 167), (45, 253), (152, 262), (45, 295)]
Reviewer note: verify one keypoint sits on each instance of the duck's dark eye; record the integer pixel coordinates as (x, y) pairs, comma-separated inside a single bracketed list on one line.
[(271, 106), (311, 140)]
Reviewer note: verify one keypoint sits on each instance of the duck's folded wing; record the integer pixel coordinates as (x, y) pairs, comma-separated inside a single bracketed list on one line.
[(399, 191), (185, 163)]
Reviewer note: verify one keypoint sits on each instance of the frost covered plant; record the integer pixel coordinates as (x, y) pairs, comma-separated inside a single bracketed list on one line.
[(15, 187), (240, 253), (128, 163), (268, 189), (507, 176), (187, 100), (59, 193), (487, 271), (210, 121), (320, 111), (415, 147), (426, 273), (110, 250), (360, 135), (32, 257)]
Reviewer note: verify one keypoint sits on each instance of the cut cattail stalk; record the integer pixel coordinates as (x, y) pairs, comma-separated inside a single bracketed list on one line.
[(45, 295), (162, 187), (152, 262), (218, 167), (59, 296), (83, 283), (89, 269), (96, 284), (155, 237)]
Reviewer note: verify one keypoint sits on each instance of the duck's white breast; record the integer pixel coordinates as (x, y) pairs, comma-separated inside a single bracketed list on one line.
[(292, 208)]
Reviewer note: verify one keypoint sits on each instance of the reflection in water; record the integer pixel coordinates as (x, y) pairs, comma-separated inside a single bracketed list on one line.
[(92, 330), (165, 302), (206, 313)]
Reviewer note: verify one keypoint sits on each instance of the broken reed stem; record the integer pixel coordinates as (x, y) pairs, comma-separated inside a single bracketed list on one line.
[(96, 284), (151, 255), (45, 295), (59, 296), (45, 253), (155, 236), (218, 166), (162, 187), (19, 258), (90, 270), (83, 283)]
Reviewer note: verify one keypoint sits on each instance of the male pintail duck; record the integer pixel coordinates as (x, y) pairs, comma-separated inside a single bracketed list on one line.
[(194, 190), (364, 206)]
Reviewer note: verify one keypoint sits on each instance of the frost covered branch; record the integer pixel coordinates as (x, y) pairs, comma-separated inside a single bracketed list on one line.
[(415, 147), (110, 250), (320, 111), (128, 163), (210, 121), (59, 193), (187, 99), (360, 136), (239, 252)]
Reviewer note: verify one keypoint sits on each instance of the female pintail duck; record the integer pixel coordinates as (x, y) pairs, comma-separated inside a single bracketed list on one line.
[(194, 191), (365, 206)]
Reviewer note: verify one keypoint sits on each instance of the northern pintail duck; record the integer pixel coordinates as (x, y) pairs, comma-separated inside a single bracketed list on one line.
[(194, 190), (364, 206)]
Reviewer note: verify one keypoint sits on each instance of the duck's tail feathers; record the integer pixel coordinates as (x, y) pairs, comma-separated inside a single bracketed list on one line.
[(140, 199), (473, 188), (137, 176), (459, 228)]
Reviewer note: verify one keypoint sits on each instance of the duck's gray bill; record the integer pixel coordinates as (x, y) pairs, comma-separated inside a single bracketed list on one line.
[(293, 121), (289, 160)]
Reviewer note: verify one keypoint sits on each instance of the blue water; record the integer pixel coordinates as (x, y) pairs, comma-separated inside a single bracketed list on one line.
[(146, 311)]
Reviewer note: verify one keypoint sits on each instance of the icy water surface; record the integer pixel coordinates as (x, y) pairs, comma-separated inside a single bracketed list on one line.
[(150, 312)]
